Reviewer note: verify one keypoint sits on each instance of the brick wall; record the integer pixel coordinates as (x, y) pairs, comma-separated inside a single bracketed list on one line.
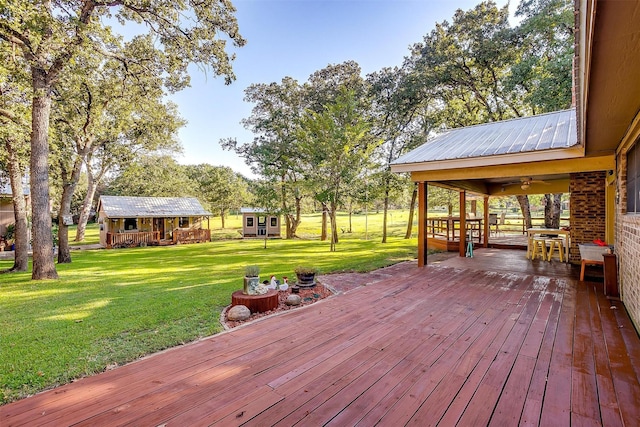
[(587, 209), (628, 247)]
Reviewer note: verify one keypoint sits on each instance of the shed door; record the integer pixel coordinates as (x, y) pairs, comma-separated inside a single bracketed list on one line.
[(262, 226)]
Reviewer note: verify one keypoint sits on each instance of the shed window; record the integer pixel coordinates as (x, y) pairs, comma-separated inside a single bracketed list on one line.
[(249, 221), (184, 222), (274, 221), (130, 223), (633, 180)]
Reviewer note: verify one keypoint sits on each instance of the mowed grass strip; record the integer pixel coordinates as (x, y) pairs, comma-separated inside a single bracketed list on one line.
[(110, 307)]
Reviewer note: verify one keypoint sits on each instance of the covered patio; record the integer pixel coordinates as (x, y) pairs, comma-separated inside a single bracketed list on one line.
[(518, 157), (476, 341)]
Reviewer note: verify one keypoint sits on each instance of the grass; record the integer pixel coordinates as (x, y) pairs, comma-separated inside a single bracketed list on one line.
[(111, 307)]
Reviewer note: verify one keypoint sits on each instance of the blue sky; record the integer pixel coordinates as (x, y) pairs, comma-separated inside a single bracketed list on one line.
[(296, 38)]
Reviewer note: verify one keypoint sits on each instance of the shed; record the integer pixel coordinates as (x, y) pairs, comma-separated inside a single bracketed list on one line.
[(131, 221), (7, 216), (259, 223)]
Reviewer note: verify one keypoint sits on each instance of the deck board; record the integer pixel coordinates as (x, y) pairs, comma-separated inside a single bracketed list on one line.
[(483, 341)]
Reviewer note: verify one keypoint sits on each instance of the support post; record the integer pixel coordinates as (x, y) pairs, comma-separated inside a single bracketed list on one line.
[(422, 224), (463, 223), (486, 230)]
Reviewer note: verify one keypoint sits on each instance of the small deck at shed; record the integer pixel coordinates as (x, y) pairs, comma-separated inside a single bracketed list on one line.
[(454, 342)]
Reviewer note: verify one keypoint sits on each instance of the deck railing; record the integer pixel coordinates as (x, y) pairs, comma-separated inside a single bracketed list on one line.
[(191, 236), (131, 238), (449, 228), (517, 224)]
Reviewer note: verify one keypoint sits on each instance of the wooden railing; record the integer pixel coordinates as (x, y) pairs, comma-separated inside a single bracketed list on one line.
[(449, 228), (191, 236), (517, 224), (131, 238)]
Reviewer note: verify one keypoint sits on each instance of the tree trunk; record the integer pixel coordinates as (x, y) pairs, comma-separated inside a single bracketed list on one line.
[(86, 206), (412, 207), (523, 200), (43, 265), (298, 219), (69, 184), (548, 211), (350, 219), (334, 227), (283, 202), (222, 217), (323, 234), (21, 232), (557, 210), (385, 210)]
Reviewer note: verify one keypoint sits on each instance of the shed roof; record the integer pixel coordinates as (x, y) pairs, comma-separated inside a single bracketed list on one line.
[(252, 210), (5, 189), (149, 207), (543, 132)]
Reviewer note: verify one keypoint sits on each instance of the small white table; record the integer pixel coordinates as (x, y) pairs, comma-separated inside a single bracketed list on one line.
[(559, 231)]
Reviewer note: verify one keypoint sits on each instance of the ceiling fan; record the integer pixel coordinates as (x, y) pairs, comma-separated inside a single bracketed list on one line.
[(525, 182)]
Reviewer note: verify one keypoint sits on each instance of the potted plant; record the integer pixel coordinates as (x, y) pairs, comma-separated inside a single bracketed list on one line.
[(251, 279), (306, 276)]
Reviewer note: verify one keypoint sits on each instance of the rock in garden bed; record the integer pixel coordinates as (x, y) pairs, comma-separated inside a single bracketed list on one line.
[(307, 296)]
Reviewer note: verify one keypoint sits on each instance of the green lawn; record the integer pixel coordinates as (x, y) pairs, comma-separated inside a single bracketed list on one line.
[(113, 306)]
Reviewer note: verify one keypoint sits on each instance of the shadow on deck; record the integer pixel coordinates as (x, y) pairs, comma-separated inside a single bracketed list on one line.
[(489, 340)]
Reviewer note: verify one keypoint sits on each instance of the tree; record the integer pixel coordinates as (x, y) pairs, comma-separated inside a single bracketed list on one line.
[(273, 153), (552, 210), (544, 69), (105, 111), (219, 186), (14, 138), (48, 37), (152, 176), (467, 61), (525, 208), (335, 144), (438, 196), (402, 117)]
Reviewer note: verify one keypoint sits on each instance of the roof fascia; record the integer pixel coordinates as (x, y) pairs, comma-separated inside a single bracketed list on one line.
[(631, 136), (585, 22), (497, 160), (550, 167)]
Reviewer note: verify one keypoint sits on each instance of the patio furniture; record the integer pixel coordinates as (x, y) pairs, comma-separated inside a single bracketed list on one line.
[(549, 231), (539, 248), (556, 243), (591, 254)]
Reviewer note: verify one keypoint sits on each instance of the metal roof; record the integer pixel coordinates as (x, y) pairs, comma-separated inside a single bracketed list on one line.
[(5, 189), (150, 207), (550, 131), (252, 210)]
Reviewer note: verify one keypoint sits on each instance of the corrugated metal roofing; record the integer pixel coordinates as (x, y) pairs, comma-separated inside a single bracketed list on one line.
[(528, 134), (149, 207)]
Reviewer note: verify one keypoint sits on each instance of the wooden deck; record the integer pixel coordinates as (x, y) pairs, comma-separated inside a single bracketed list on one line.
[(457, 342)]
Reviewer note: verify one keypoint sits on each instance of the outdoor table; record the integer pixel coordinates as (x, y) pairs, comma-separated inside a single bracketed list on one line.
[(558, 231)]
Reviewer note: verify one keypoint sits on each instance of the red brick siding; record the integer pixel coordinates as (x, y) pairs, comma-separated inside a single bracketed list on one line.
[(627, 247), (587, 209)]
